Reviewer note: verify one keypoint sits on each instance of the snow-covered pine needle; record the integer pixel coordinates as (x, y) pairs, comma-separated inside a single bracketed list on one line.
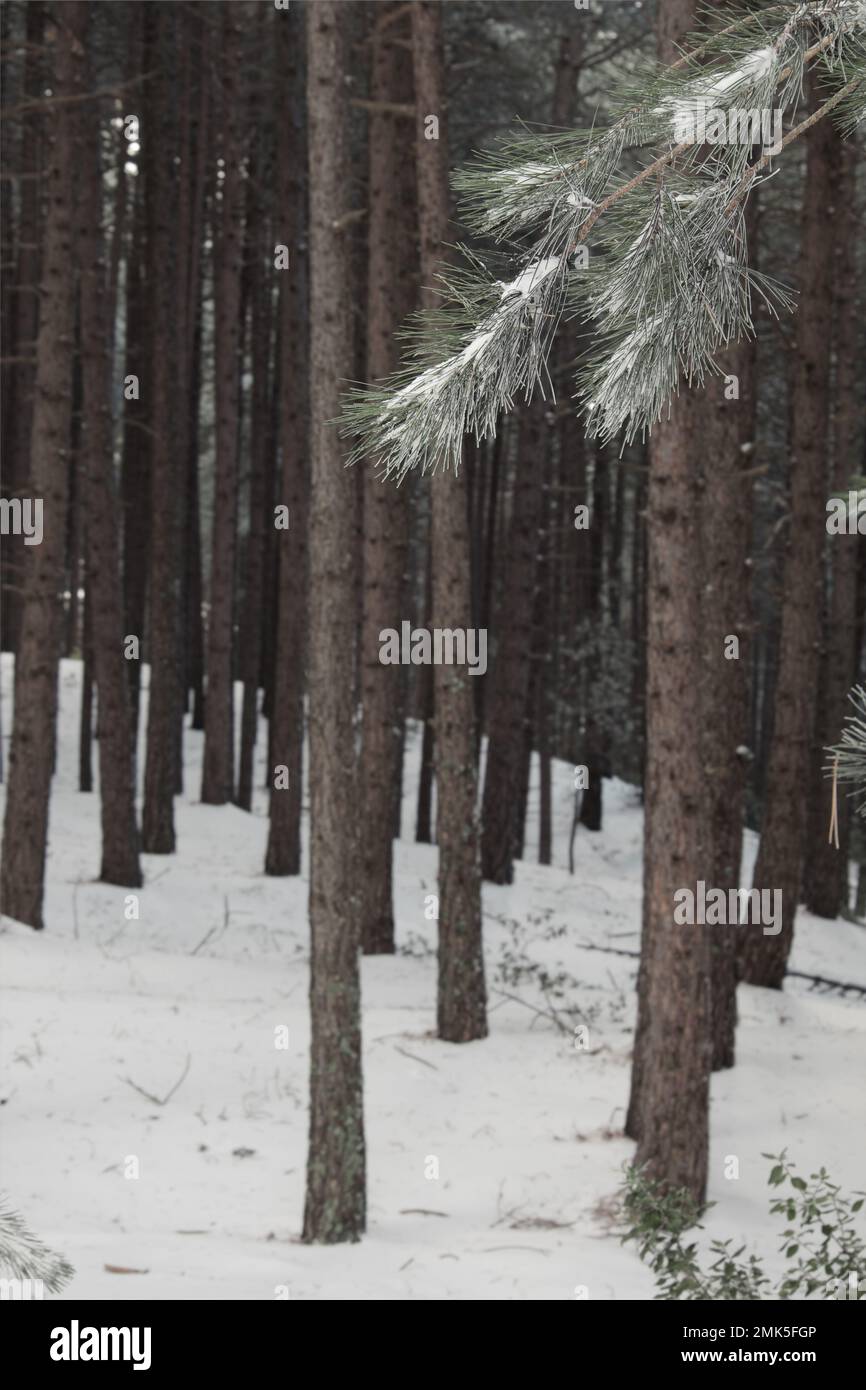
[(848, 757), (24, 1256), (654, 262)]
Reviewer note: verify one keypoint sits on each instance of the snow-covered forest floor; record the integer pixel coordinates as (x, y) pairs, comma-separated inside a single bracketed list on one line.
[(526, 1126)]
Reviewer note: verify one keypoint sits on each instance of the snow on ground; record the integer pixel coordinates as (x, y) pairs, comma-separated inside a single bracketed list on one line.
[(526, 1128)]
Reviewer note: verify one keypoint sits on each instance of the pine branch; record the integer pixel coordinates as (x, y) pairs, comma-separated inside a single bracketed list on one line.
[(848, 758), (668, 284), (24, 1256)]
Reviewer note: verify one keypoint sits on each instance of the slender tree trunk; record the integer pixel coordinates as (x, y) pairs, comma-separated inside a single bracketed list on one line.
[(509, 691), (726, 501), (85, 713), (218, 765), (594, 752), (391, 293), (24, 311), (117, 787), (336, 1185), (166, 416), (571, 48), (258, 231), (286, 733), (669, 1104), (780, 856), (31, 759), (727, 428), (136, 455), (462, 998), (826, 877)]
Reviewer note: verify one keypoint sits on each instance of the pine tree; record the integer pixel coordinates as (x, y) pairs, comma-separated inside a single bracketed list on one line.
[(120, 862), (391, 294), (165, 413), (461, 1000), (283, 855), (31, 757), (217, 785), (336, 1192), (779, 865)]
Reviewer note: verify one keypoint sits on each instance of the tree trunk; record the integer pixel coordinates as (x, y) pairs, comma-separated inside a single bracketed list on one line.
[(826, 877), (217, 784), (462, 999), (286, 732), (780, 856), (85, 713), (31, 759), (336, 1188), (24, 312), (136, 455), (258, 230), (509, 692), (727, 430), (669, 1104), (116, 780), (165, 418), (391, 293)]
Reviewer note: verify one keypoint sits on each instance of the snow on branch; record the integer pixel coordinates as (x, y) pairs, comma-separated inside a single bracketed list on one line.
[(848, 762), (24, 1257), (650, 259)]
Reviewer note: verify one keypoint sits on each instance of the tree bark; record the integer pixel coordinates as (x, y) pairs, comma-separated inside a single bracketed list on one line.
[(286, 733), (165, 418), (727, 431), (31, 759), (336, 1192), (826, 876), (120, 862), (258, 229), (136, 454), (509, 691), (24, 314), (669, 1103), (462, 999), (780, 856), (217, 784), (391, 293)]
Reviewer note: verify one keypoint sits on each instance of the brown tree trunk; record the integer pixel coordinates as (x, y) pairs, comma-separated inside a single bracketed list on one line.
[(336, 1186), (85, 713), (117, 787), (31, 759), (391, 293), (826, 876), (545, 671), (286, 732), (509, 691), (669, 1104), (727, 430), (462, 997), (136, 455), (258, 236), (24, 313), (780, 856), (217, 783), (726, 503), (166, 419)]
